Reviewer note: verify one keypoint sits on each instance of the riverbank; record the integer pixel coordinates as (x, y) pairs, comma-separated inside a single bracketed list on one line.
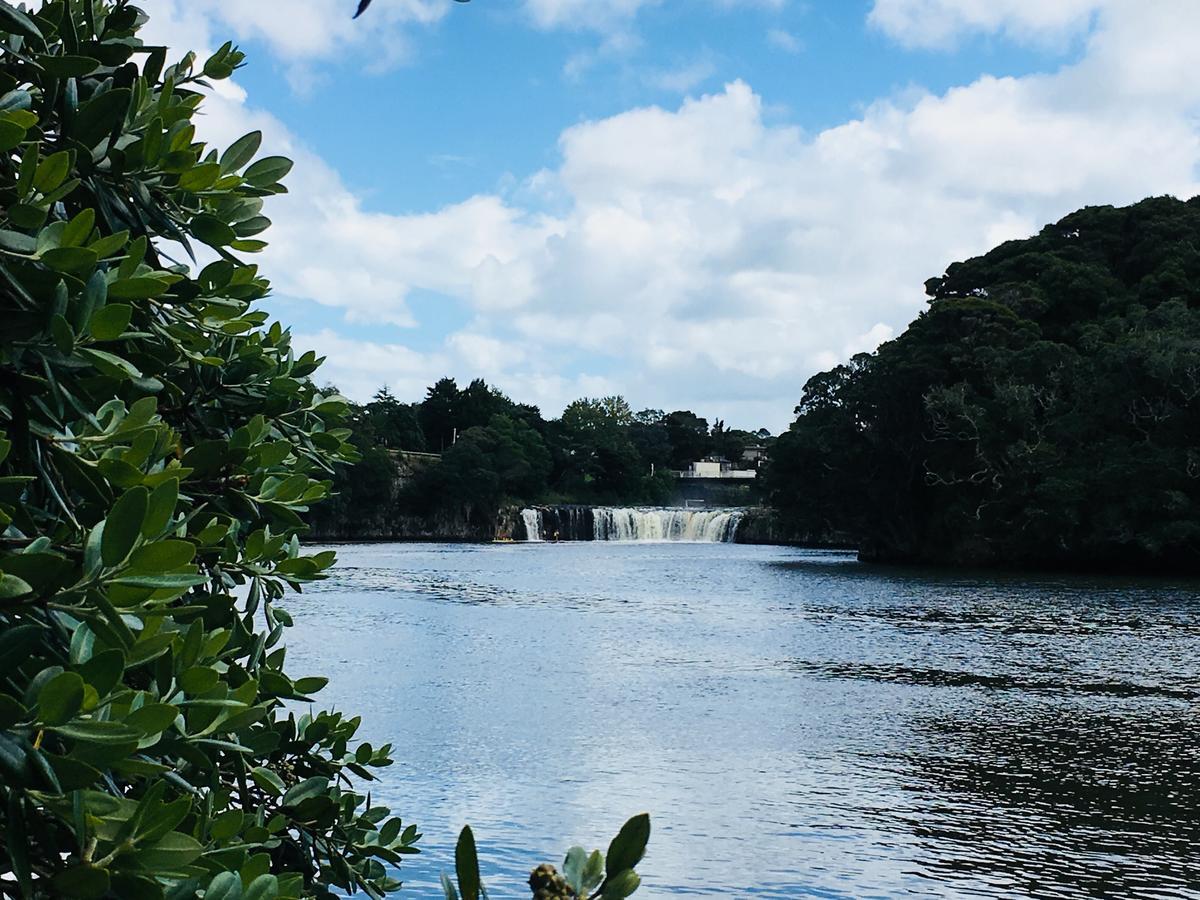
[(582, 522)]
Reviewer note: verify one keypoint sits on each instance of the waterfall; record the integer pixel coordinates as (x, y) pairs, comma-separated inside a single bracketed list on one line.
[(533, 525), (581, 523)]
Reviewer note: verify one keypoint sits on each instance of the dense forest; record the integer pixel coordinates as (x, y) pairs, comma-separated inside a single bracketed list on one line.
[(1042, 411), (495, 451)]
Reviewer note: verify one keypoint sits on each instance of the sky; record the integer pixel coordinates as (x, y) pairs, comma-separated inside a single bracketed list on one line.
[(697, 204)]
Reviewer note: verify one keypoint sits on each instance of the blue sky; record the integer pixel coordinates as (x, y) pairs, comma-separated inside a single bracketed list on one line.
[(695, 204)]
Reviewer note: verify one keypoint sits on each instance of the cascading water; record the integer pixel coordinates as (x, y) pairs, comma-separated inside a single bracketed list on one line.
[(532, 518), (580, 523)]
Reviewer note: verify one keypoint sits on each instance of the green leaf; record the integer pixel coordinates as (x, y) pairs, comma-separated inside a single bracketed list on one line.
[(68, 66), (573, 866), (227, 824), (264, 887), (161, 508), (226, 885), (309, 685), (64, 337), (103, 671), (26, 215), (593, 871), (17, 242), (100, 116), (629, 846), (268, 171), (162, 556), (137, 288), (11, 134), (72, 260), (123, 525), (199, 178), (240, 152), (94, 731), (171, 853), (621, 885), (448, 888), (110, 364), (152, 718), (52, 171), (60, 698), (109, 322), (85, 882), (267, 780), (309, 787), (16, 21), (212, 230), (466, 864), (79, 229), (160, 582), (11, 586), (199, 679)]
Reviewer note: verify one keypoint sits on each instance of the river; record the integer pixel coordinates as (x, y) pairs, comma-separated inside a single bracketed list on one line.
[(797, 724)]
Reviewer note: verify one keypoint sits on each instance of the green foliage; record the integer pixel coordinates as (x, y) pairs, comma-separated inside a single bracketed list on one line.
[(584, 876), (160, 442), (1041, 411), (495, 451)]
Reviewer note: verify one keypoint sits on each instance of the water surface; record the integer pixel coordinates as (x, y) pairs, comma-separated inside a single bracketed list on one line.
[(798, 724)]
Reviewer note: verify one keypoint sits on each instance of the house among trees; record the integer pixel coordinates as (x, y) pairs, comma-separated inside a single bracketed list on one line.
[(716, 467)]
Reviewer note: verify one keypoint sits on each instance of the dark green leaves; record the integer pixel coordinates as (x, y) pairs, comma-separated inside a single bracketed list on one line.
[(466, 864), (60, 698), (96, 118), (94, 731), (268, 171), (85, 882), (310, 787), (267, 780), (110, 322), (224, 886), (240, 152), (123, 525), (16, 21), (212, 231), (629, 846), (162, 556)]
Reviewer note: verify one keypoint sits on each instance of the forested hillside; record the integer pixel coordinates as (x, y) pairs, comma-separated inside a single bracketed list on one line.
[(494, 451), (1043, 410)]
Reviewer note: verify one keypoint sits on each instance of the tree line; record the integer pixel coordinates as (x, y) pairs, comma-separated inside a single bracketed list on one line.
[(1044, 409), (495, 450)]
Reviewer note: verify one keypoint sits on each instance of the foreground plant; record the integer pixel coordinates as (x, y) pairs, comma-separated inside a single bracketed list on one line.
[(584, 876), (159, 444)]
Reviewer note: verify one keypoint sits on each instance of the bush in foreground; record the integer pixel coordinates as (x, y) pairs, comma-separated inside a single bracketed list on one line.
[(160, 443)]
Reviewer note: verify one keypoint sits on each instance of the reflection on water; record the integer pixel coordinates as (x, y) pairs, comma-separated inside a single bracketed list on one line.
[(798, 724)]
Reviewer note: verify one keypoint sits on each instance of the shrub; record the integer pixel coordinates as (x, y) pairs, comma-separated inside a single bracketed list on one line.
[(160, 442)]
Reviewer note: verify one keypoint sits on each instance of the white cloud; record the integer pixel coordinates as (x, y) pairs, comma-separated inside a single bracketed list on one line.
[(717, 260), (682, 79), (937, 23), (300, 33), (583, 14), (784, 40)]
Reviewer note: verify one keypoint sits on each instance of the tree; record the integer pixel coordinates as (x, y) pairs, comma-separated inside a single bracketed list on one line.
[(688, 434), (160, 443), (1012, 419), (386, 422)]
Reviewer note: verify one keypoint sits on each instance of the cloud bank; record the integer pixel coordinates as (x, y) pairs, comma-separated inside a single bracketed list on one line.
[(702, 255)]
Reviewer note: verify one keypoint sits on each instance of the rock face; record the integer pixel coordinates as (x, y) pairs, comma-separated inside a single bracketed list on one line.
[(397, 527), (762, 525)]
